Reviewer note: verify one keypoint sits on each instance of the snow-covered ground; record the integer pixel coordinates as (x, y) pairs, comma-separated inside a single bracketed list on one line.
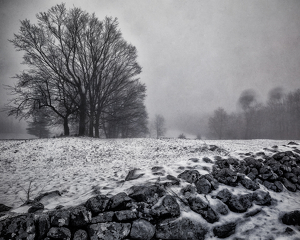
[(83, 167)]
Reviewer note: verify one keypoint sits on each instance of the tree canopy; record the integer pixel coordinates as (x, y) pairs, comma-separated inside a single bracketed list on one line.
[(77, 66)]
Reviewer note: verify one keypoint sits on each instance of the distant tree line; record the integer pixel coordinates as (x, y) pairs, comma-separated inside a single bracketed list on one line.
[(81, 72), (278, 118)]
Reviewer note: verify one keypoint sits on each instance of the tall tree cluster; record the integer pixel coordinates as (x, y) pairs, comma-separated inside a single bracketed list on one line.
[(81, 70), (278, 118)]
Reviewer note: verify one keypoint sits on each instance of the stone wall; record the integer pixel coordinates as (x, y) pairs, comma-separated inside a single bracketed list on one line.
[(154, 211)]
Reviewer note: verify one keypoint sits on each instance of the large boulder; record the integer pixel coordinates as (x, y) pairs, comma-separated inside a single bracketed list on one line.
[(109, 231), (168, 208), (4, 208), (224, 195), (249, 184), (119, 201), (190, 176), (226, 176), (291, 218), (203, 186), (133, 174), (225, 230), (60, 218), (240, 203), (180, 229), (202, 208), (80, 235), (147, 194), (103, 217), (125, 215), (289, 186), (42, 225), (97, 204), (80, 217), (261, 198), (142, 230), (20, 227), (59, 233)]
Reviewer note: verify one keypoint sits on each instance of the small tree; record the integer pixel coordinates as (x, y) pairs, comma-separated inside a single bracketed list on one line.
[(159, 125), (182, 136), (38, 126), (218, 123)]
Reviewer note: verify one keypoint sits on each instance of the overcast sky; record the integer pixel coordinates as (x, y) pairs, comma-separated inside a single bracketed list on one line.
[(196, 55)]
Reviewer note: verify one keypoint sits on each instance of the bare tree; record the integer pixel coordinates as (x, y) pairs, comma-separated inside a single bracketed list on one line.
[(87, 60), (159, 125), (218, 123)]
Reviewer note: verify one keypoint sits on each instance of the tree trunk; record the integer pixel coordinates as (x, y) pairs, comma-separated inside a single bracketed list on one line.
[(66, 127), (82, 115), (91, 126), (97, 122)]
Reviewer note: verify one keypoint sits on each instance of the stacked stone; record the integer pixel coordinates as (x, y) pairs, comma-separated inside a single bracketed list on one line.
[(147, 213), (276, 172)]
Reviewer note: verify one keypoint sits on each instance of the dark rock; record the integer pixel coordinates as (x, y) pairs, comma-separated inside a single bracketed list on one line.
[(252, 213), (221, 208), (146, 194), (20, 227), (36, 207), (60, 218), (240, 204), (293, 143), (296, 171), (279, 186), (195, 160), (43, 226), (109, 231), (171, 205), (278, 156), (133, 174), (270, 185), (201, 207), (224, 195), (188, 190), (203, 186), (190, 176), (97, 204), (249, 184), (214, 183), (224, 230), (168, 208), (210, 215), (103, 217), (4, 208), (289, 231), (289, 186), (207, 160), (59, 233), (226, 176), (291, 218), (156, 169), (252, 163), (142, 230), (80, 235), (125, 215), (118, 201), (180, 229), (251, 175), (261, 198), (80, 217)]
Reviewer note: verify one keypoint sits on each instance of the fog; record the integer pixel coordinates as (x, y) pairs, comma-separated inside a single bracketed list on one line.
[(196, 55)]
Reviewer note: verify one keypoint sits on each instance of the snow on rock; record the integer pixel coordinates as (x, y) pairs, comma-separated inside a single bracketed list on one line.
[(192, 175)]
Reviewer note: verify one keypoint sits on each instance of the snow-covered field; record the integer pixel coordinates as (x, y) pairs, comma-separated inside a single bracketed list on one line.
[(83, 167)]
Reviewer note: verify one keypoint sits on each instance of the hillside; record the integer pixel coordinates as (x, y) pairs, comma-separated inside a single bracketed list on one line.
[(80, 168)]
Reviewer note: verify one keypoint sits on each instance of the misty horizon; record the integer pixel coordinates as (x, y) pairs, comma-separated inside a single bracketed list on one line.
[(196, 56)]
